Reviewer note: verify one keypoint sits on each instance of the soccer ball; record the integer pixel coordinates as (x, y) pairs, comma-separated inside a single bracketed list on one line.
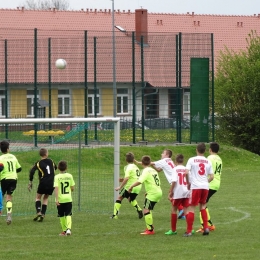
[(60, 64)]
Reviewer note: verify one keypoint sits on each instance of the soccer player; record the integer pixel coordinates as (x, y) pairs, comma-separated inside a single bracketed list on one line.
[(215, 183), (64, 185), (132, 173), (1, 201), (46, 170), (178, 193), (167, 165), (9, 167), (152, 184), (198, 174)]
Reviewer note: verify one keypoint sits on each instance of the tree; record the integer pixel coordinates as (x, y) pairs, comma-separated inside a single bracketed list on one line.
[(237, 96), (46, 4)]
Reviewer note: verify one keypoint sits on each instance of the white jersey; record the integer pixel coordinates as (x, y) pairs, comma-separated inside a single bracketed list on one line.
[(167, 165), (199, 168), (180, 189)]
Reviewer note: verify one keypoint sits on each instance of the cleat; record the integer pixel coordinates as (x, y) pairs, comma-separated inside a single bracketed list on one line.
[(206, 232), (182, 217), (187, 234), (180, 214), (68, 232), (192, 231), (40, 218), (62, 234), (201, 230), (212, 228), (9, 219), (140, 214), (170, 232), (148, 232), (114, 217), (36, 217)]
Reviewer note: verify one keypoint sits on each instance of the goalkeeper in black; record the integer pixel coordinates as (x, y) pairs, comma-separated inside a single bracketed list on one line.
[(46, 171)]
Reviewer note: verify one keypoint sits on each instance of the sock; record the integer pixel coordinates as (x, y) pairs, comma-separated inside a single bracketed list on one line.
[(68, 222), (63, 223), (134, 204), (44, 208), (117, 206), (148, 217), (173, 221), (38, 206), (209, 220), (204, 218), (9, 206), (189, 220)]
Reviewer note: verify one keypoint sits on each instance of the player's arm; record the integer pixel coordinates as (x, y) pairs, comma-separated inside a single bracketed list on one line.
[(187, 178), (122, 184), (137, 162), (133, 185), (18, 169), (72, 188), (211, 177), (31, 174), (56, 191), (170, 195), (1, 167)]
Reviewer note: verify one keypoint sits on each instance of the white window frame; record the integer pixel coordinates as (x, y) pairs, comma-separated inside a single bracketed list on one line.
[(121, 103), (31, 96), (2, 109), (91, 96), (186, 102)]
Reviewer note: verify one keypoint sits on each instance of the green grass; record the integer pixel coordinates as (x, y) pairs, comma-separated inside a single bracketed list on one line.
[(234, 210)]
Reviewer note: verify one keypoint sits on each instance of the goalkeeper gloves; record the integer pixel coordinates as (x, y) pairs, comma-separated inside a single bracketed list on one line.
[(30, 186)]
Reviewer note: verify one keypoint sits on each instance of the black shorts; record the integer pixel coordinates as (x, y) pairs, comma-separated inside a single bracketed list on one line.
[(64, 209), (8, 186), (125, 194), (211, 193), (43, 189), (149, 204)]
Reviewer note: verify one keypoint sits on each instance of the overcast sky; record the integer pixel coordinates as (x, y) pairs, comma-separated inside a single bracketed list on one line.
[(224, 7)]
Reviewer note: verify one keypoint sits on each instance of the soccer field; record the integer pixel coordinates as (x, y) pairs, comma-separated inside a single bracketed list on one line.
[(234, 210)]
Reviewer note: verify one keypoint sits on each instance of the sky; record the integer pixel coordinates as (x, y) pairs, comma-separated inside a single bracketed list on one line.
[(221, 7)]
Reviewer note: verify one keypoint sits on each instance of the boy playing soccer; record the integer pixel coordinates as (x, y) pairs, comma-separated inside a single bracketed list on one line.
[(152, 184), (64, 184), (132, 173), (9, 167), (178, 193)]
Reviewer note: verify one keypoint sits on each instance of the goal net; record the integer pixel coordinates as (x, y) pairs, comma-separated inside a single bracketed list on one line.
[(92, 155)]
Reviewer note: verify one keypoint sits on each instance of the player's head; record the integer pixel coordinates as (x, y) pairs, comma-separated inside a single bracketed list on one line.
[(129, 157), (201, 148), (62, 166), (4, 146), (167, 153), (146, 160), (43, 152), (214, 147), (179, 158)]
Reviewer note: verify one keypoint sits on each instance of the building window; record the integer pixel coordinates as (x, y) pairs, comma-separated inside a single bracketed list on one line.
[(122, 100), (91, 102), (64, 102), (30, 101), (186, 102)]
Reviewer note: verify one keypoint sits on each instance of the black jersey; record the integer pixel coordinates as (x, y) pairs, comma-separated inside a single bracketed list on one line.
[(46, 168)]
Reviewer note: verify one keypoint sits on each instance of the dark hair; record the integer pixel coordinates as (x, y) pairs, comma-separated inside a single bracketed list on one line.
[(201, 148), (146, 160), (214, 147), (43, 152), (62, 166), (168, 152), (4, 146), (129, 157), (179, 158)]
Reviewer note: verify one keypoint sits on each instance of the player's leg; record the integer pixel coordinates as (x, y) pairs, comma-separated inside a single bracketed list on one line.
[(43, 208), (1, 202), (173, 231), (117, 204), (68, 213), (148, 207), (11, 186), (204, 215), (62, 219), (38, 205), (133, 201)]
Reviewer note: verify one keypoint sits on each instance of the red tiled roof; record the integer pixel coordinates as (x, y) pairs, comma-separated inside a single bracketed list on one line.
[(66, 28)]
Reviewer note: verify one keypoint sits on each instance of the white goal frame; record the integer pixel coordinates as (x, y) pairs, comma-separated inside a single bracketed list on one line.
[(115, 120)]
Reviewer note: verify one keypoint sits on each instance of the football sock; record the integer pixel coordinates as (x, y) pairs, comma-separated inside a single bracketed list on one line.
[(9, 206), (117, 206), (209, 220), (148, 217), (63, 223), (204, 218), (68, 222), (173, 221), (189, 220), (134, 204), (44, 208), (38, 206)]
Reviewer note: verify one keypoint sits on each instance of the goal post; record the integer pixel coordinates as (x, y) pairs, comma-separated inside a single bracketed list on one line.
[(95, 166)]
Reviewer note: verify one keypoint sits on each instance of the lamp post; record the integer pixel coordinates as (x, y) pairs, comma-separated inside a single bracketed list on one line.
[(114, 60)]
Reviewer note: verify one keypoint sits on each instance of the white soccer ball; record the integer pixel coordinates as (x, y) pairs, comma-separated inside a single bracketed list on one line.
[(60, 64)]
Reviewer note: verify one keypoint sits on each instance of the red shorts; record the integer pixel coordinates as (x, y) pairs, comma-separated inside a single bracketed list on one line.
[(184, 202), (198, 196)]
